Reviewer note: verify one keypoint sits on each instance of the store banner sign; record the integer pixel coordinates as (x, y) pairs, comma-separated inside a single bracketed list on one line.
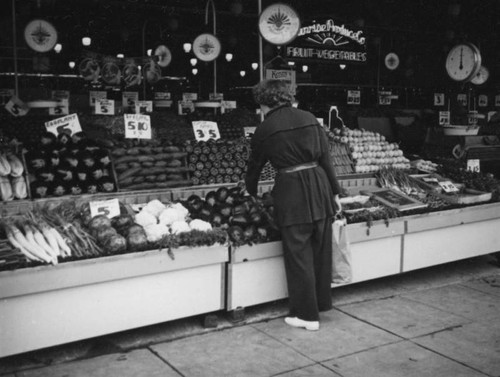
[(142, 107), (497, 100), (438, 99), (482, 100), (105, 107), (282, 74), (94, 95), (205, 130), (16, 107), (62, 107), (354, 97), (129, 99), (328, 41), (5, 95), (69, 124), (444, 118), (137, 126)]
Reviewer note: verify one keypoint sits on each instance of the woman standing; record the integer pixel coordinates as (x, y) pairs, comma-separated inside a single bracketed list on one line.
[(305, 197)]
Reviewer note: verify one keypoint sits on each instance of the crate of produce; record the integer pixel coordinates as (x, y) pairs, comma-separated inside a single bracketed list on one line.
[(467, 196)]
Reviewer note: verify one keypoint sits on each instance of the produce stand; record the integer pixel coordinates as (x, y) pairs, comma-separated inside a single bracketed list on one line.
[(50, 305), (256, 274)]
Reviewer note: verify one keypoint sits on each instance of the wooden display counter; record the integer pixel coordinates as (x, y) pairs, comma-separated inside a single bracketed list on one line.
[(256, 273), (50, 305)]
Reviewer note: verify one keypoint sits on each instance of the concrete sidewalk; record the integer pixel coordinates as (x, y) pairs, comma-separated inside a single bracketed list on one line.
[(441, 321)]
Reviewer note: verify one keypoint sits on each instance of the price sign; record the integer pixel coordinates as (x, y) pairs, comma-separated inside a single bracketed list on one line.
[(444, 118), (105, 107), (228, 105), (16, 107), (129, 99), (68, 124), (353, 97), (137, 126), (497, 100), (189, 96), (472, 117), (216, 96), (185, 107), (474, 165), (462, 99), (438, 99), (482, 100), (447, 186), (5, 95), (384, 98), (205, 130), (94, 95), (109, 208), (62, 107), (249, 131), (163, 99), (142, 107)]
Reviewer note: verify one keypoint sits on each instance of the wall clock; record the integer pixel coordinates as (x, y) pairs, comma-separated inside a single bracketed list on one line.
[(40, 35), (206, 47), (463, 62), (482, 76), (391, 61), (279, 24)]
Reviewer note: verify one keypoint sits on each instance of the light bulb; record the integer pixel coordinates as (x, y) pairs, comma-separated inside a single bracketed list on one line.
[(120, 56), (193, 61), (242, 73), (71, 65), (305, 68), (186, 47), (255, 66), (342, 66), (58, 48), (149, 52), (86, 41), (195, 71), (229, 56)]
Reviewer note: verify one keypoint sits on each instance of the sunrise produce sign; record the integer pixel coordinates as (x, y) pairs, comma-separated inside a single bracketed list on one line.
[(328, 41)]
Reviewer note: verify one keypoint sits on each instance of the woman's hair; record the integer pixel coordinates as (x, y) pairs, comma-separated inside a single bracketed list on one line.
[(273, 93)]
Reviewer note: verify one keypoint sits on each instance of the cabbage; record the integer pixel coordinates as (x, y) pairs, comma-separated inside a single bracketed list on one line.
[(145, 218), (198, 224), (179, 227)]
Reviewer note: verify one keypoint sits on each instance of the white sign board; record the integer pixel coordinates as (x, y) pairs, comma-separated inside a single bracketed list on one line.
[(189, 96), (444, 118), (142, 107), (94, 95), (105, 107), (283, 74), (137, 126), (482, 100), (448, 186), (353, 97), (216, 96), (129, 99), (474, 165), (163, 99), (438, 99), (16, 107), (62, 107), (205, 130), (68, 124), (109, 208), (384, 97), (228, 105)]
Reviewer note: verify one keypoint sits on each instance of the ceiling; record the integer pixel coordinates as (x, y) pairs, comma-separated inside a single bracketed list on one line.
[(421, 32)]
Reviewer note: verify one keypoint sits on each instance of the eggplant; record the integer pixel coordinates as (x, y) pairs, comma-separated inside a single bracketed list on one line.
[(235, 234), (255, 218), (240, 220), (211, 198), (225, 210), (216, 219), (249, 233), (221, 194), (239, 209)]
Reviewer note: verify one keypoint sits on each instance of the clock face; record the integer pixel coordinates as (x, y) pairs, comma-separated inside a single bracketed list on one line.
[(463, 62), (279, 24), (206, 47), (481, 77), (40, 35)]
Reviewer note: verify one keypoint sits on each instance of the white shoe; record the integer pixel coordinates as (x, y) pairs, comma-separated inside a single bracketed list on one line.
[(297, 322)]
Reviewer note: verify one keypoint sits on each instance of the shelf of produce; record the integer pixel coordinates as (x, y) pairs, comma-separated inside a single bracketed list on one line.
[(448, 236), (256, 273), (50, 305)]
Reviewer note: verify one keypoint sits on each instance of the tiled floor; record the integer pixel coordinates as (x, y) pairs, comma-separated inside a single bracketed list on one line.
[(443, 321)]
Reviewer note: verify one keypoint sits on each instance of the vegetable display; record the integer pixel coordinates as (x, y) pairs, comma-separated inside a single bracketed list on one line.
[(148, 164), (68, 165), (12, 176)]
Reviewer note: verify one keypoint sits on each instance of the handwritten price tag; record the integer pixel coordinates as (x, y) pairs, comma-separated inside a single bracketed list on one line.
[(474, 165), (68, 124), (129, 99), (249, 131), (105, 107), (16, 107), (205, 130), (62, 107), (137, 126), (109, 208), (94, 95), (142, 107), (447, 186)]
